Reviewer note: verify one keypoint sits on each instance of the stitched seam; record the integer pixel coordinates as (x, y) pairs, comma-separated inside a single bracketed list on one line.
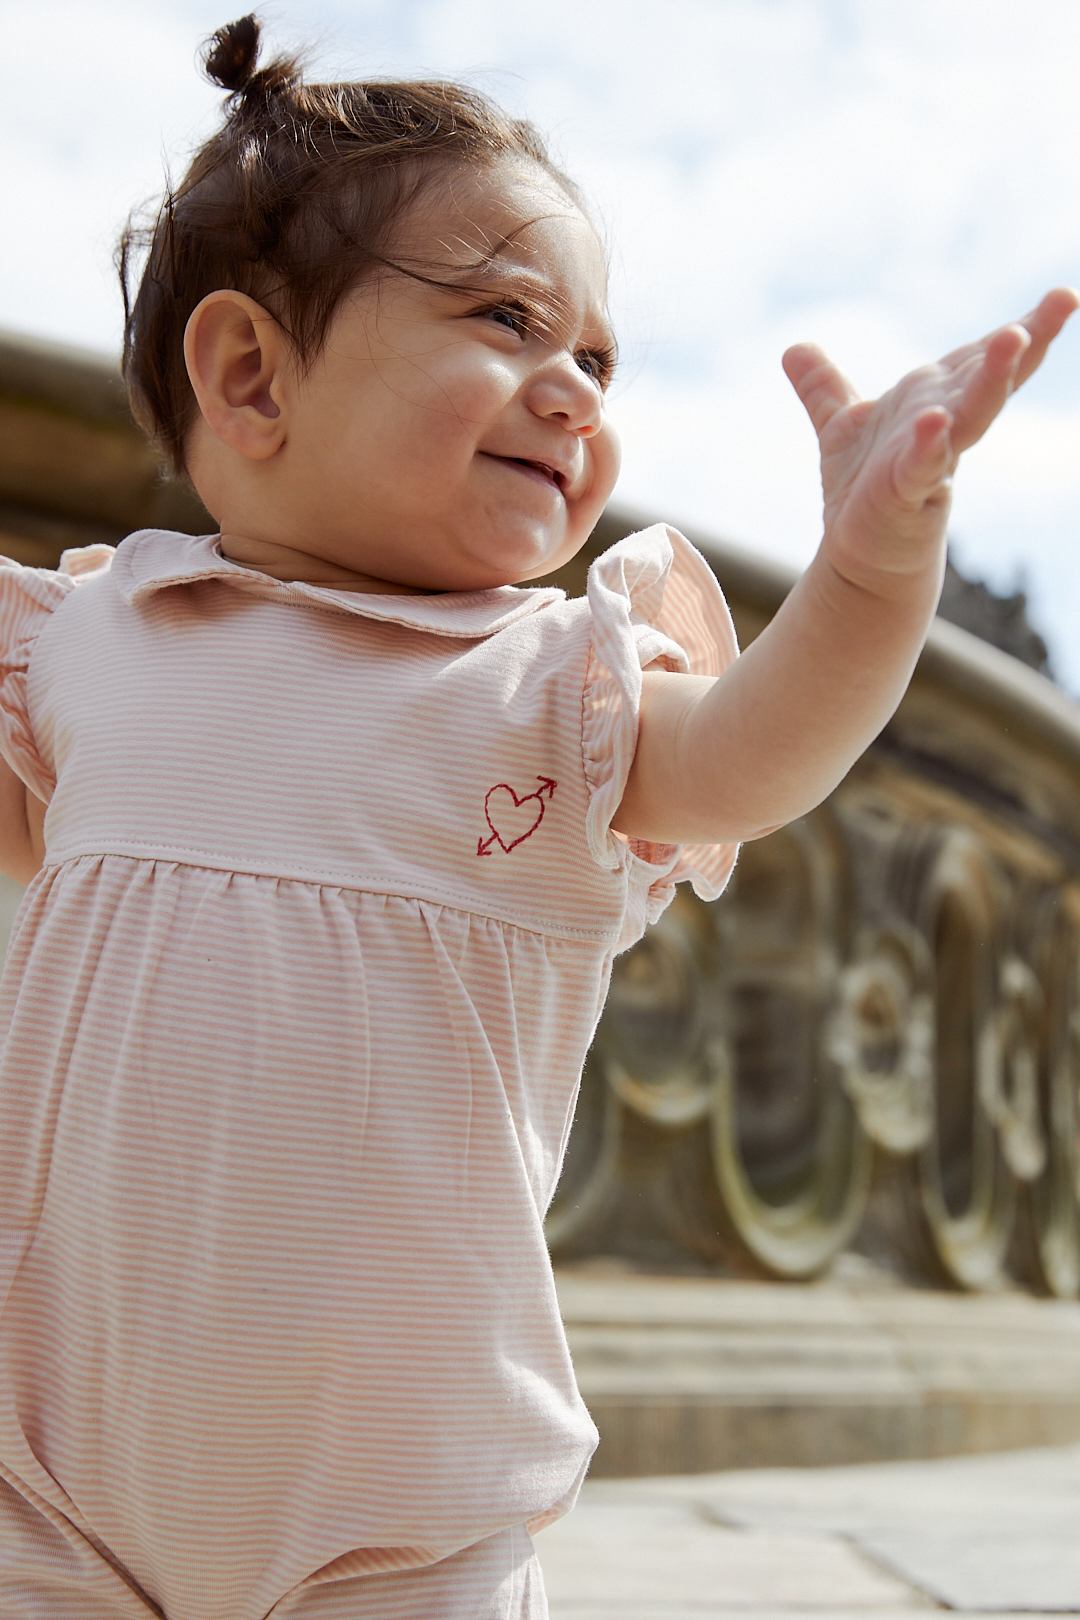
[(367, 885), (257, 590), (625, 847), (298, 599)]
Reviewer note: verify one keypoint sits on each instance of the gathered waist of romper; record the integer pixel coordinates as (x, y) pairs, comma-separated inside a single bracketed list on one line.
[(399, 884)]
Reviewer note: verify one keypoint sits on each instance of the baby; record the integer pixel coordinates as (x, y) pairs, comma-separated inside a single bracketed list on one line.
[(346, 822)]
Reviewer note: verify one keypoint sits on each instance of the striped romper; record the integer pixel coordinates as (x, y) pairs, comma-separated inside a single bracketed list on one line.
[(292, 1024)]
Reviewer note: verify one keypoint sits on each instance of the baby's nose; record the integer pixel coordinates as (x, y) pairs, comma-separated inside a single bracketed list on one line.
[(564, 390)]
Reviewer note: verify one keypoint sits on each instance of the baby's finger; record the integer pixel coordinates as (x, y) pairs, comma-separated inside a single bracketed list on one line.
[(820, 385), (924, 466), (989, 386), (1044, 323)]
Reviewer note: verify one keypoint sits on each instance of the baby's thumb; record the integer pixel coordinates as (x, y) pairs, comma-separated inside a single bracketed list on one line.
[(823, 389)]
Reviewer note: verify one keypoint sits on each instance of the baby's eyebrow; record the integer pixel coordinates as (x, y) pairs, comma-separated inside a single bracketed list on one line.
[(499, 264), (497, 268)]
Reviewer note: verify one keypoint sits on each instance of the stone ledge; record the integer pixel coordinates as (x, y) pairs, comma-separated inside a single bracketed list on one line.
[(688, 1375)]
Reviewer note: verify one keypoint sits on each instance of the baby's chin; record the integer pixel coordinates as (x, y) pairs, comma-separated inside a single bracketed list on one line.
[(530, 561), (460, 559)]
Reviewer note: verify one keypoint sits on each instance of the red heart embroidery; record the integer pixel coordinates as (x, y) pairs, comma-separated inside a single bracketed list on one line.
[(517, 818)]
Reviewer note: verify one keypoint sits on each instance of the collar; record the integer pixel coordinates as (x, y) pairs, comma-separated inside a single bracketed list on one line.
[(153, 559)]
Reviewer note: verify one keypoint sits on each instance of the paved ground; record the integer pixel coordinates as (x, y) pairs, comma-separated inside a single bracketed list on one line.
[(992, 1535)]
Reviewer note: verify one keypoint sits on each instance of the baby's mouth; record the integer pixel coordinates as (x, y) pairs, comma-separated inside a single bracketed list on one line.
[(539, 471)]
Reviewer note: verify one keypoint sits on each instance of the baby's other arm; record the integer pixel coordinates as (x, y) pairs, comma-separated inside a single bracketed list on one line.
[(20, 853), (736, 756)]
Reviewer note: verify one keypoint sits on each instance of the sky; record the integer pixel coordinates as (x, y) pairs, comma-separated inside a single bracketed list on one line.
[(888, 178)]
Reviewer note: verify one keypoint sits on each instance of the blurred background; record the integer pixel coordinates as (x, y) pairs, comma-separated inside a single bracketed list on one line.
[(887, 177)]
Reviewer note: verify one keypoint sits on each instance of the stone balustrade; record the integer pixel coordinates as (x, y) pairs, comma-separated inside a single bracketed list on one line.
[(872, 1042)]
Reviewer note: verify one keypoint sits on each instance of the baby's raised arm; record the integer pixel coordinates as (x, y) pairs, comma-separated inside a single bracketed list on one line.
[(736, 756)]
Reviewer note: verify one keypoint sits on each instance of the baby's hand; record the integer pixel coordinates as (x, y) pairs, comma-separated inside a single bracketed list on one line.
[(886, 464)]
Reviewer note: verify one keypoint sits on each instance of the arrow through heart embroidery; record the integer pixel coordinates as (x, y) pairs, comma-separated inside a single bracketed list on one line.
[(511, 819)]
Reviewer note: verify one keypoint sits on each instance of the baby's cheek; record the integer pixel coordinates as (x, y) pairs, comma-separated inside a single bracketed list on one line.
[(606, 451), (464, 388)]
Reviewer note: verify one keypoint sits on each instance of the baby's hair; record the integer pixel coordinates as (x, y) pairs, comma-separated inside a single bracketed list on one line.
[(292, 202)]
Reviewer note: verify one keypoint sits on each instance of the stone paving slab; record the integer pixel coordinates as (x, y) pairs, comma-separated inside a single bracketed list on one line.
[(985, 1571), (1033, 1483), (1017, 1490), (649, 1559), (706, 1611), (996, 1535)]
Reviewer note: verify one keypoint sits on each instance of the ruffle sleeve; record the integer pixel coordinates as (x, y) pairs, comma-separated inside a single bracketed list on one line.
[(653, 601), (28, 598)]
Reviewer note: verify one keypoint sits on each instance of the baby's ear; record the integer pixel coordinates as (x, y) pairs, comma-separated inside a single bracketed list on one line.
[(237, 361)]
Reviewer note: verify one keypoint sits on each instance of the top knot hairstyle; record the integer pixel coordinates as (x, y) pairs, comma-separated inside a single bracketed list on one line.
[(292, 202), (229, 57)]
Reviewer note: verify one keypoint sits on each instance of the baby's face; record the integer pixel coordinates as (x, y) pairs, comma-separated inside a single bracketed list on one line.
[(409, 437)]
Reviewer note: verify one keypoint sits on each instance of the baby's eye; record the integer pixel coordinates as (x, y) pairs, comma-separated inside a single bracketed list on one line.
[(514, 316), (599, 364)]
